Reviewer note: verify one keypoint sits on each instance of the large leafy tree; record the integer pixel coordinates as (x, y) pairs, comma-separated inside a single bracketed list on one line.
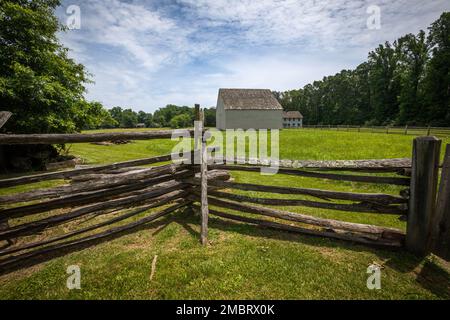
[(413, 51), (39, 83), (437, 79)]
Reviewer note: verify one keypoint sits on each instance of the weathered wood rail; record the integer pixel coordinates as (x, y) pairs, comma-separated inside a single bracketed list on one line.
[(121, 191), (79, 138), (404, 130)]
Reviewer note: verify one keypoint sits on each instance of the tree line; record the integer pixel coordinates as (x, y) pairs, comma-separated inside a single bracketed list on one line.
[(403, 83), (171, 116)]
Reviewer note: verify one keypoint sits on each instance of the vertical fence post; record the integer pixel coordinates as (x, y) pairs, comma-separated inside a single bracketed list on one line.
[(197, 135), (441, 223), (422, 202), (428, 131), (204, 186), (406, 129)]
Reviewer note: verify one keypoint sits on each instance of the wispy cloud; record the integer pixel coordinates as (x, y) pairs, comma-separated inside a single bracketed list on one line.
[(145, 54)]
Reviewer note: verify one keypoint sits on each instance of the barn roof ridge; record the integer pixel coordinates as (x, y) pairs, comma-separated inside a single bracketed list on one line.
[(292, 114), (248, 99)]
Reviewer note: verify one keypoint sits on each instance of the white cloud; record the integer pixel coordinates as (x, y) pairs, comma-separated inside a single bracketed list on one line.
[(148, 54)]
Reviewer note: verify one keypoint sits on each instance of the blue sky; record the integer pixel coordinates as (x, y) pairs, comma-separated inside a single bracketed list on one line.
[(146, 54)]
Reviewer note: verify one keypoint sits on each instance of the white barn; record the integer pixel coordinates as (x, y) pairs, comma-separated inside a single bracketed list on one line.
[(248, 108)]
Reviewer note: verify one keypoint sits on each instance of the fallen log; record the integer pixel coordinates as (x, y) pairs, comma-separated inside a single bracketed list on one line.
[(320, 233), (321, 194), (355, 207), (159, 201), (12, 261), (331, 176), (382, 232), (39, 225)]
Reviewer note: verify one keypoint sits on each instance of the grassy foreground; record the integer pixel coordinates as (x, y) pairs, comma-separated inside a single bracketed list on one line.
[(243, 261)]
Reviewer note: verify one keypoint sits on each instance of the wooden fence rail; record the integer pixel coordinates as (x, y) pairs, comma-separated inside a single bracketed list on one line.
[(83, 137), (332, 176), (405, 130)]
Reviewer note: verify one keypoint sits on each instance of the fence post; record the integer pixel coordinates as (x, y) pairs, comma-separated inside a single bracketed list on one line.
[(441, 223), (406, 129), (429, 130), (422, 202), (204, 186), (197, 135), (387, 129)]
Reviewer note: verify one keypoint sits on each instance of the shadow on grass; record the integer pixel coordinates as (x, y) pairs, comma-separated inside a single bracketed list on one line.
[(435, 279), (9, 265), (430, 276)]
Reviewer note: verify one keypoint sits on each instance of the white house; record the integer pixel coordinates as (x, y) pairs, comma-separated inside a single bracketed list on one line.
[(248, 108), (292, 119)]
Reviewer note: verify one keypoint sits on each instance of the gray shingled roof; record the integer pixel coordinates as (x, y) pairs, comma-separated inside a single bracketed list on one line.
[(292, 115), (249, 99)]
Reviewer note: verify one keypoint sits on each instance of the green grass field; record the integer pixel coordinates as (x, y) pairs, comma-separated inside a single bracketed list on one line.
[(243, 261)]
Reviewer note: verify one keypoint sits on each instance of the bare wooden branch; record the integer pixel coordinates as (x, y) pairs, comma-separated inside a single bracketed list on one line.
[(382, 232), (355, 207), (332, 176), (329, 233)]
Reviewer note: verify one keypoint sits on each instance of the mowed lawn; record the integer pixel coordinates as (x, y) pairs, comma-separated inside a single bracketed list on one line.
[(242, 261)]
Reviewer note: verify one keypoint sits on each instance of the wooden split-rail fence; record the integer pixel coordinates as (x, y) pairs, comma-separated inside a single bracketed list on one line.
[(121, 191)]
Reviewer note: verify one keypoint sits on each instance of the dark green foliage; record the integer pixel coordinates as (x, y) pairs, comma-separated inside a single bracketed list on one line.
[(407, 82), (170, 116), (39, 83), (210, 117), (164, 116)]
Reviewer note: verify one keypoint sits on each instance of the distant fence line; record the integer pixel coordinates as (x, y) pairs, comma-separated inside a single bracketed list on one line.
[(406, 130)]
